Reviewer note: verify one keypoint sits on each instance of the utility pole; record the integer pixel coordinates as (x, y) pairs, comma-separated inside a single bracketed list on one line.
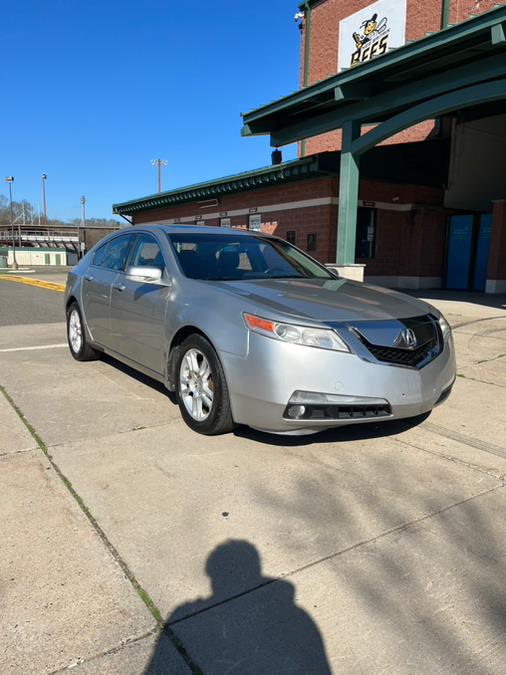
[(44, 176), (10, 181), (83, 225), (159, 163)]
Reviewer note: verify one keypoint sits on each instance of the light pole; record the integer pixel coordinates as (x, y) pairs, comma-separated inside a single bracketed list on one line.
[(159, 163), (44, 177), (10, 181), (83, 225)]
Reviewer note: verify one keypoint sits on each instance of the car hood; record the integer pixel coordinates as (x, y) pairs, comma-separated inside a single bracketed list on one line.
[(324, 299)]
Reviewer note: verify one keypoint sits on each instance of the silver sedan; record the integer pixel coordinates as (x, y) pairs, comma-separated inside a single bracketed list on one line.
[(247, 329)]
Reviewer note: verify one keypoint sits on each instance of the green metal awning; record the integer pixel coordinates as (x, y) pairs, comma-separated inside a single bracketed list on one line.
[(309, 167), (459, 57)]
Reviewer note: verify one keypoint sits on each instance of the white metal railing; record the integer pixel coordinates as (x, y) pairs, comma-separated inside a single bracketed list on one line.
[(38, 235)]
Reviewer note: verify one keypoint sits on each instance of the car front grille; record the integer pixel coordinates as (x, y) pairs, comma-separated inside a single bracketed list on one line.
[(402, 357), (428, 333)]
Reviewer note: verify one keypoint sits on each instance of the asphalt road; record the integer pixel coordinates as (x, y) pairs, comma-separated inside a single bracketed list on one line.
[(22, 305)]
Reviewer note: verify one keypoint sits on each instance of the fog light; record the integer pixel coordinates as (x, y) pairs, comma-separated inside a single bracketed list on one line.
[(296, 411)]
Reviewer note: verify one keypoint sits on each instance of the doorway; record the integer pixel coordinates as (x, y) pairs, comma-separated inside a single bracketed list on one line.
[(467, 251)]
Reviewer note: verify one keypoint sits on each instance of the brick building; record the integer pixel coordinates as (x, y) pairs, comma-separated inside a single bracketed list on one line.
[(430, 207)]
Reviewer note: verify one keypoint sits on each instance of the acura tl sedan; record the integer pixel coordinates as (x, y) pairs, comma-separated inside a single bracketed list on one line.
[(247, 329)]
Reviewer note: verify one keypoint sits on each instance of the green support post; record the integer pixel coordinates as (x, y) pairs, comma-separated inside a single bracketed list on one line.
[(348, 195)]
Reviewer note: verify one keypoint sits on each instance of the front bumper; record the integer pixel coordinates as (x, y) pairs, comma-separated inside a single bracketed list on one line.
[(261, 384)]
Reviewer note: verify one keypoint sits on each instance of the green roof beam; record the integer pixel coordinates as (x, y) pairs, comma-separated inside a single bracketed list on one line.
[(485, 92), (354, 91), (403, 96), (498, 34)]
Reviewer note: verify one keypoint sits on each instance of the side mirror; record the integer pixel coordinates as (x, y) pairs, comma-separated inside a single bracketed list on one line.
[(147, 275)]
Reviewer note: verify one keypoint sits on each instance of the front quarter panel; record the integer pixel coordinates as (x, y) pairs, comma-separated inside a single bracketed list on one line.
[(217, 314)]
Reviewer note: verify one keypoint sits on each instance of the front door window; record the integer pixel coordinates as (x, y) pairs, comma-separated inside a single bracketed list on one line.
[(147, 253)]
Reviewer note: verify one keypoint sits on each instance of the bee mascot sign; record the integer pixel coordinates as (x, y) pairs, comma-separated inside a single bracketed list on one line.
[(371, 32)]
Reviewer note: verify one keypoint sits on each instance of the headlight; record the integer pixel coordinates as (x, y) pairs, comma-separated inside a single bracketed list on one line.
[(445, 328), (299, 335)]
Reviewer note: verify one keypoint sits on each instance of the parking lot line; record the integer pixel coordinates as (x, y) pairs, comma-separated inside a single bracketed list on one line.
[(30, 349)]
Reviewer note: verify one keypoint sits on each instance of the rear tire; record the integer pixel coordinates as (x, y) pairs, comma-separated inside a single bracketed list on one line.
[(202, 391), (79, 346)]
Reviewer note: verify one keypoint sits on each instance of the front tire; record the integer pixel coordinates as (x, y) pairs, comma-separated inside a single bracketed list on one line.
[(202, 391), (79, 346)]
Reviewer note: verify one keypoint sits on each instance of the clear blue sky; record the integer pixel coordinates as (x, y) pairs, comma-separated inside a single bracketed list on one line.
[(92, 91)]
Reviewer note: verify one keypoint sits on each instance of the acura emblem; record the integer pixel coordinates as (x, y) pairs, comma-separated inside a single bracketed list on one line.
[(406, 339)]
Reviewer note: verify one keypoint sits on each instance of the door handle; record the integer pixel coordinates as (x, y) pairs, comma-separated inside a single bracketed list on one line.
[(88, 277), (119, 287)]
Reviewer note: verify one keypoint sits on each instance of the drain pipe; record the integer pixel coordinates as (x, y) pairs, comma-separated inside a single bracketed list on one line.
[(445, 11), (307, 37), (305, 77)]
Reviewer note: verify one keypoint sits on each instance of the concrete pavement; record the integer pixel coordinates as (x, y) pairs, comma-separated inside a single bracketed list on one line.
[(366, 550), (64, 598)]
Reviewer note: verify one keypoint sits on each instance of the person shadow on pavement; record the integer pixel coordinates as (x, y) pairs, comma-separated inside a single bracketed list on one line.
[(249, 625)]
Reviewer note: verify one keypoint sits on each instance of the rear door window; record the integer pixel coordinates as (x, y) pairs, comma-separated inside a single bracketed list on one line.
[(113, 255), (99, 256)]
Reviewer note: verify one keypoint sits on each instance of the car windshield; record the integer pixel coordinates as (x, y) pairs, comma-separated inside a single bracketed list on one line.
[(225, 257)]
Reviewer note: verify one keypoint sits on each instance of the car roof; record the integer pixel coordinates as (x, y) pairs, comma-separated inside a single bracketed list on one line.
[(193, 229)]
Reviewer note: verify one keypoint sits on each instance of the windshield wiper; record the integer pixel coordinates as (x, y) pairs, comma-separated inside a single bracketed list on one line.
[(287, 276), (222, 278)]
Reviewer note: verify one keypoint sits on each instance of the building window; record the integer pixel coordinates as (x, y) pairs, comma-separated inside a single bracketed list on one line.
[(290, 237), (311, 241), (366, 233), (225, 222)]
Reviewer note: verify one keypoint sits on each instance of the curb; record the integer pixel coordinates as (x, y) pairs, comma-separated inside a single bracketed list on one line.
[(49, 285)]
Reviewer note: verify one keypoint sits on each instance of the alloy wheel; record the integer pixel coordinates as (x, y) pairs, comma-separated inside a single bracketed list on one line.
[(196, 384), (75, 331)]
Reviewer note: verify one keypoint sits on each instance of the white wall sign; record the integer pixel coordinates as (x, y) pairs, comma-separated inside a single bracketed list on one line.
[(225, 222), (255, 221), (371, 32)]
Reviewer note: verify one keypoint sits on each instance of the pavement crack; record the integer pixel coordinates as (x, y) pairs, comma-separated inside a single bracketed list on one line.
[(477, 379), (8, 453), (449, 458), (494, 358), (113, 650), (336, 554), (141, 592), (471, 323), (465, 439)]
